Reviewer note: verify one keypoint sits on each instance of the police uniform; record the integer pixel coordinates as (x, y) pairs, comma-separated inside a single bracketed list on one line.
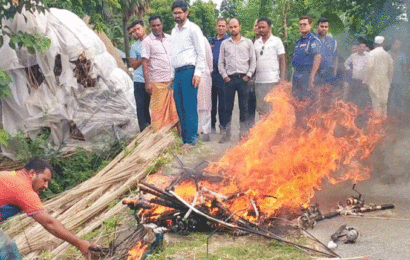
[(305, 50), (325, 74)]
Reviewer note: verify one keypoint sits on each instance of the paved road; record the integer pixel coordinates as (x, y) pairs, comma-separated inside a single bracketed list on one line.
[(383, 234)]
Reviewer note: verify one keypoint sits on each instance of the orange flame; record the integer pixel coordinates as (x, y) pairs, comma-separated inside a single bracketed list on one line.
[(137, 251), (281, 164)]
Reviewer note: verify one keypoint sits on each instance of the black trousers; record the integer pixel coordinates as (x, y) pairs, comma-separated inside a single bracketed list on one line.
[(237, 84), (218, 99), (251, 108), (142, 98)]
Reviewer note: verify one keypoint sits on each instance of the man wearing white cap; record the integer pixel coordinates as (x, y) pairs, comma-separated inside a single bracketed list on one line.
[(378, 76)]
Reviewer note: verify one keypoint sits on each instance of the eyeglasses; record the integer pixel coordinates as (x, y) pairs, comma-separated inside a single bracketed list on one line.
[(263, 48)]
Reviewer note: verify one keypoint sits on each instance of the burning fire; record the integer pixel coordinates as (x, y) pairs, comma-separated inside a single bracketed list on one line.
[(277, 169), (282, 164), (137, 251), (284, 160)]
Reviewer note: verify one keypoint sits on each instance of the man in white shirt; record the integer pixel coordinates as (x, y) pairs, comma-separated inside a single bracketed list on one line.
[(188, 62), (378, 75), (357, 92), (270, 64)]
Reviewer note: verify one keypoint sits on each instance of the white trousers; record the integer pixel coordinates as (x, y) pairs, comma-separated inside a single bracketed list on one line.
[(204, 121), (379, 104)]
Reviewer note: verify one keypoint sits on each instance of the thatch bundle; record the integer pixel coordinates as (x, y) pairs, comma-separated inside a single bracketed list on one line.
[(85, 207)]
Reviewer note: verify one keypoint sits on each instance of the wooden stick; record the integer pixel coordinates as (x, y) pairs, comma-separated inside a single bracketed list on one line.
[(254, 207), (193, 205), (214, 193), (258, 232)]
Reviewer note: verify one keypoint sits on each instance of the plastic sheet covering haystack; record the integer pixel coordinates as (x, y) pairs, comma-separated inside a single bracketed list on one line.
[(59, 101)]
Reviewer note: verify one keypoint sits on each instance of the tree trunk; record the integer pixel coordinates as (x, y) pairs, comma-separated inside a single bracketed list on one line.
[(286, 9), (126, 39)]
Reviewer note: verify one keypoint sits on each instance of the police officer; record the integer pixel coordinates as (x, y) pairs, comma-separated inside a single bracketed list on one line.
[(306, 60), (328, 66)]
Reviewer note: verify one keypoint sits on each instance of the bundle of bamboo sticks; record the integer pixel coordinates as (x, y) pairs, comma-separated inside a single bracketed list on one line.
[(85, 206)]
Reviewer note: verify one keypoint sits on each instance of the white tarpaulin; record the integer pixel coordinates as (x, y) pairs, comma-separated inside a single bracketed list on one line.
[(60, 102)]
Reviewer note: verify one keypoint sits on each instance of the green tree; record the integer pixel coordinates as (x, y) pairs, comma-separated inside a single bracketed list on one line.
[(229, 8), (201, 13), (205, 16), (162, 8), (106, 14)]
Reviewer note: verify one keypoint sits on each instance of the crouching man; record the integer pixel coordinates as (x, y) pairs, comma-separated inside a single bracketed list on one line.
[(19, 192)]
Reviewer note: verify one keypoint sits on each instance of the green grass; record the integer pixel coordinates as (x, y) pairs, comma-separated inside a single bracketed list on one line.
[(225, 247)]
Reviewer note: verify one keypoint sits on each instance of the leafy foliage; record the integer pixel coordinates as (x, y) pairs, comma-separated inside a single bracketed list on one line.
[(5, 80), (70, 169), (76, 168), (4, 137), (32, 42), (162, 8), (205, 16)]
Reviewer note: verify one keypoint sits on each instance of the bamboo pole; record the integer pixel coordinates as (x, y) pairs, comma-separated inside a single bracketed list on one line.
[(85, 206)]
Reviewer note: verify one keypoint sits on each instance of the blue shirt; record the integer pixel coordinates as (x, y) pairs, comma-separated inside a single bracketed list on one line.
[(305, 50), (135, 53), (329, 53), (216, 47)]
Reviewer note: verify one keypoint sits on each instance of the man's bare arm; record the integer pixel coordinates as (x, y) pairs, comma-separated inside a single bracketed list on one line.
[(282, 67), (146, 75), (57, 229), (135, 63), (315, 67)]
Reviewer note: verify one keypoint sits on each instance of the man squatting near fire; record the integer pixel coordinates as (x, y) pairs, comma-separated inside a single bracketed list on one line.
[(188, 62), (19, 191)]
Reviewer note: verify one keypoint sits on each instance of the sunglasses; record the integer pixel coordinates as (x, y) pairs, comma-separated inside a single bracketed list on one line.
[(263, 48)]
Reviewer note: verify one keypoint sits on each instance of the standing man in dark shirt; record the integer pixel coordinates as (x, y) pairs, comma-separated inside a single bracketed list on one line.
[(217, 80), (328, 66), (306, 60)]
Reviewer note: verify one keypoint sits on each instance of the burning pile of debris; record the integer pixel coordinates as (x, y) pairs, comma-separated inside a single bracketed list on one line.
[(263, 183)]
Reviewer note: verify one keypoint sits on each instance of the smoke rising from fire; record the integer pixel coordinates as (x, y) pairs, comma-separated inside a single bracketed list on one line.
[(282, 164)]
